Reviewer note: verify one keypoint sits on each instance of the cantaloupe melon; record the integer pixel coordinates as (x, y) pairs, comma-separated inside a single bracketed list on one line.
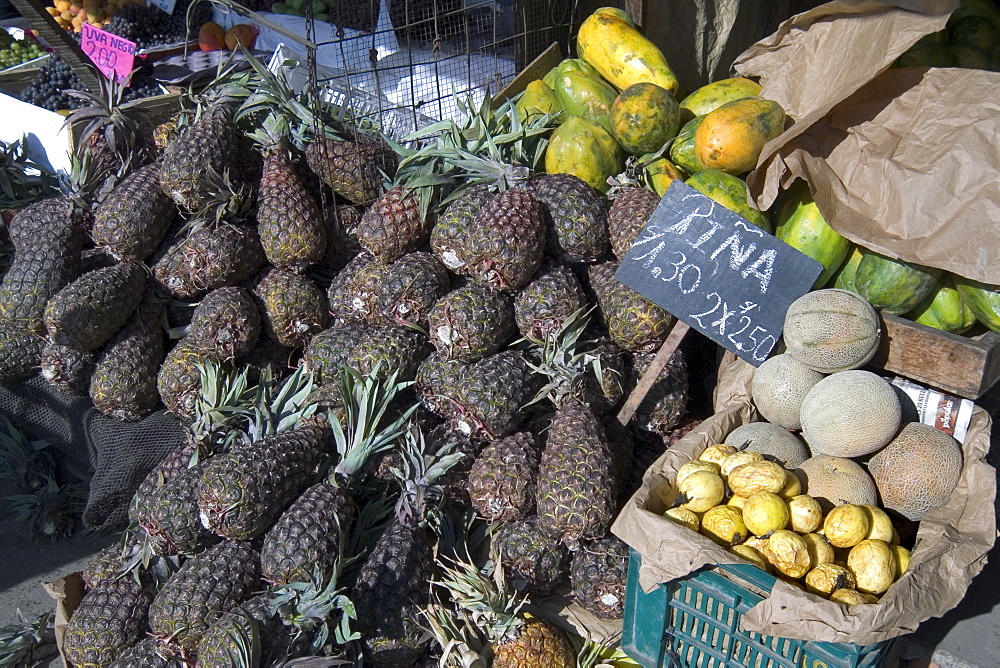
[(834, 481), (850, 414), (831, 330), (917, 471), (779, 385), (773, 441)]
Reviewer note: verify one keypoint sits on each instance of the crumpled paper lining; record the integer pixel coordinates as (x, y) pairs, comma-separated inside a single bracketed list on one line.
[(951, 543), (67, 592)]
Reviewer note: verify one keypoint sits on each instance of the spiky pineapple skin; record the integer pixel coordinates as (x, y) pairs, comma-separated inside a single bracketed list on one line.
[(410, 288), (209, 258), (134, 218), (455, 481), (351, 168), (103, 565), (150, 653), (293, 308), (539, 644), (448, 235), (506, 243), (666, 402), (545, 303), (533, 558), (242, 492), (123, 384), (471, 322), (111, 618), (392, 586), (390, 350), (219, 645), (502, 481), (179, 382), (207, 144), (634, 323), (291, 229), (576, 216), (66, 368), (353, 292), (307, 535), (202, 590), (20, 354), (599, 575), (173, 464), (227, 322), (331, 348), (629, 213), (171, 517), (575, 485), (393, 225)]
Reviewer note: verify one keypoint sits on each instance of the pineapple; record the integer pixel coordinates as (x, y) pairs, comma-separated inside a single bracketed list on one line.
[(503, 477), (179, 381), (111, 618), (533, 558), (170, 516), (250, 634), (448, 235), (353, 169), (134, 218), (634, 323), (410, 287), (123, 384), (242, 492), (456, 481), (547, 302), (20, 353), (333, 347), (518, 641), (576, 216), (353, 292), (471, 322), (664, 405), (202, 590), (209, 257), (394, 582), (394, 225), (482, 399), (390, 349), (66, 368), (628, 215), (292, 306), (506, 242), (151, 653), (307, 535), (207, 144), (599, 575), (104, 565), (226, 322)]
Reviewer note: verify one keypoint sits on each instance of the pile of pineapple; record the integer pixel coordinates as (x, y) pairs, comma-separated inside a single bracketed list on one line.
[(332, 314), (755, 508), (72, 14)]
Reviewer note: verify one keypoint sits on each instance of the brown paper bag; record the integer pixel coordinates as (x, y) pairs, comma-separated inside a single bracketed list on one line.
[(67, 593), (951, 544), (899, 161)]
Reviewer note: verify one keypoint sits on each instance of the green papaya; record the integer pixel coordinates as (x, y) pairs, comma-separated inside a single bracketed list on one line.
[(729, 191), (926, 55), (843, 278), (660, 173), (580, 94), (894, 286), (644, 117), (982, 299), (710, 97), (585, 149), (682, 148), (569, 65), (537, 100), (802, 226), (944, 309)]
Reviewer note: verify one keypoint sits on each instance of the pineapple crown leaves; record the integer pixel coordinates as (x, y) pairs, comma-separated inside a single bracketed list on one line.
[(318, 608), (633, 176), (107, 113), (484, 594), (272, 109), (18, 187), (424, 464), (463, 645), (24, 461), (18, 641), (52, 510), (224, 402), (230, 200), (141, 558), (563, 361), (282, 408), (366, 429), (245, 640), (598, 654)]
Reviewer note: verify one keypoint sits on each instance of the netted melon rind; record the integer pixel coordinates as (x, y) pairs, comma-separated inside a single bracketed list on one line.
[(850, 414), (832, 330), (917, 471), (771, 440), (779, 385), (834, 481)]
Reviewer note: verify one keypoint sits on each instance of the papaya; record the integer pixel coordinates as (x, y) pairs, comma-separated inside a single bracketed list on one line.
[(968, 57), (974, 31), (892, 285), (621, 53), (580, 94), (614, 11), (732, 137), (982, 299), (926, 55), (569, 65), (983, 8), (644, 117), (944, 309), (682, 148), (581, 147), (537, 100), (660, 172), (843, 278), (729, 191), (802, 226), (712, 96)]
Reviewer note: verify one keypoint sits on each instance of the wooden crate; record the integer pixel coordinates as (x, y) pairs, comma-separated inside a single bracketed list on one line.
[(963, 365)]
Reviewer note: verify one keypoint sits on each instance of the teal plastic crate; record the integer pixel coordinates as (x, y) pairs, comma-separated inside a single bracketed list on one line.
[(695, 621)]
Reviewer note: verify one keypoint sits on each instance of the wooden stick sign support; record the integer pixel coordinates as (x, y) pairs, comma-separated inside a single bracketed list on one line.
[(61, 40), (642, 388)]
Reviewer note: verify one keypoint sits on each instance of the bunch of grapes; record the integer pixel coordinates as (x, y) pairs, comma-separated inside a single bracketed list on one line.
[(20, 51), (48, 89), (149, 26)]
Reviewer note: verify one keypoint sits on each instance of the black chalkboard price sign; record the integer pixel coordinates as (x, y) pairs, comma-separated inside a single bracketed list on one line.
[(717, 272)]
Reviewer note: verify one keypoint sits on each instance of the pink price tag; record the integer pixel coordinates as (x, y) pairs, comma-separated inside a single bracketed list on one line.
[(112, 54)]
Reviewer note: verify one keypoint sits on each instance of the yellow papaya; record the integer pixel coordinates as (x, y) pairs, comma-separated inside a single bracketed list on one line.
[(621, 53), (660, 173), (712, 96), (580, 94), (843, 278), (644, 117), (729, 191), (732, 137), (614, 11), (944, 309), (537, 100), (802, 226), (585, 149), (682, 148)]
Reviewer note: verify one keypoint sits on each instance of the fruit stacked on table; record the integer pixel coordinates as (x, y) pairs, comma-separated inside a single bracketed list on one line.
[(13, 51), (72, 15)]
